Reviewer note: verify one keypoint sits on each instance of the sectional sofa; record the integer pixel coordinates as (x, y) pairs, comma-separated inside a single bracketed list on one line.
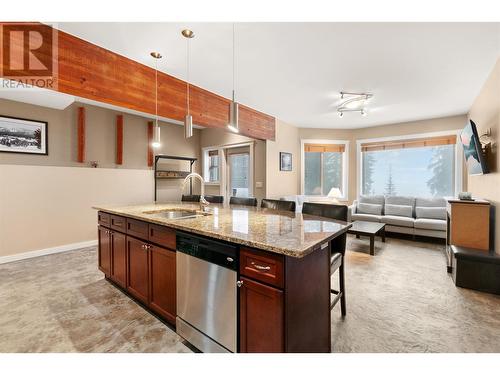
[(410, 215)]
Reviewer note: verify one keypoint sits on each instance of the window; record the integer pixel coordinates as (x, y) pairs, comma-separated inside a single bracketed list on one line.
[(422, 167), (212, 166), (324, 168)]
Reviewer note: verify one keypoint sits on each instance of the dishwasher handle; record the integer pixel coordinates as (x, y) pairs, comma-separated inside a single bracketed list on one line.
[(217, 252)]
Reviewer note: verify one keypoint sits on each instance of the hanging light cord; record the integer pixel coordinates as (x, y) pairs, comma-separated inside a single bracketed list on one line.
[(156, 91), (188, 110), (233, 63)]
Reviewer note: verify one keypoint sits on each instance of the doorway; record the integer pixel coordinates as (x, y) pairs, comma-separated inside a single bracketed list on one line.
[(238, 172)]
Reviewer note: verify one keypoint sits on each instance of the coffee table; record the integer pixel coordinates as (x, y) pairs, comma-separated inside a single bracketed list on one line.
[(370, 229)]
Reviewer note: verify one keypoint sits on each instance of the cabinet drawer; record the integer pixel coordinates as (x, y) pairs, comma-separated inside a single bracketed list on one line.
[(118, 223), (137, 229), (162, 236), (103, 218), (262, 266)]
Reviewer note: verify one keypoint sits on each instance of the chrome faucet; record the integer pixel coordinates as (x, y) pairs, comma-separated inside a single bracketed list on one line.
[(203, 202)]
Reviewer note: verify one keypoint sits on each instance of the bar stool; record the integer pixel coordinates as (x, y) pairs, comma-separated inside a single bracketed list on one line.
[(338, 245), (243, 201), (214, 198), (276, 204)]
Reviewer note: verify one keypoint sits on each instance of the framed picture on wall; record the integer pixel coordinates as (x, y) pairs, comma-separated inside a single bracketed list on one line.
[(23, 136), (285, 161)]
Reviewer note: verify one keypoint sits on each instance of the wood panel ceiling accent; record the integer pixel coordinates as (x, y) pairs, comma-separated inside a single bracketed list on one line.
[(89, 71)]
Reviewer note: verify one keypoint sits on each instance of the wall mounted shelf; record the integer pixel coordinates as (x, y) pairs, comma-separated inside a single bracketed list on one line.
[(161, 174)]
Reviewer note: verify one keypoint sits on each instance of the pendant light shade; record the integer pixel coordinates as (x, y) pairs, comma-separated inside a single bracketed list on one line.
[(156, 137), (188, 126), (234, 109), (188, 120), (156, 133), (234, 124)]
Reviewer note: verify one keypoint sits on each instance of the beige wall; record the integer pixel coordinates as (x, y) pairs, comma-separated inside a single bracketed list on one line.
[(485, 112), (47, 206), (100, 137), (408, 128), (281, 183), (217, 137)]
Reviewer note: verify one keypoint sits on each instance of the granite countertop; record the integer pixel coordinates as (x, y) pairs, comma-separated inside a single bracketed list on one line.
[(288, 233)]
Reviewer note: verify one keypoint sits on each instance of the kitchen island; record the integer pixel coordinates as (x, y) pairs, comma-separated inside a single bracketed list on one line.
[(280, 261)]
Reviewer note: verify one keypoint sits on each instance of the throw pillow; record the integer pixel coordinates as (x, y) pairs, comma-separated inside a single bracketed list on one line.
[(398, 210), (369, 208), (438, 213)]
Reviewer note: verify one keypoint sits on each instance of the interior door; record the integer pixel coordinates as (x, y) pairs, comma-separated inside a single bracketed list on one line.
[(238, 170)]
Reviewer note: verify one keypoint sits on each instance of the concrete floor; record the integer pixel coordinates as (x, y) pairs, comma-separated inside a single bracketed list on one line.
[(400, 300)]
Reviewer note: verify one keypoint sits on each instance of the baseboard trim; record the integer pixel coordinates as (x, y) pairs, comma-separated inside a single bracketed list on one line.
[(48, 251)]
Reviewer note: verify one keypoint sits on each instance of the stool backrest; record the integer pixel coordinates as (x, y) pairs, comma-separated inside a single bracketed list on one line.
[(190, 198), (243, 201), (275, 204), (330, 211), (214, 198)]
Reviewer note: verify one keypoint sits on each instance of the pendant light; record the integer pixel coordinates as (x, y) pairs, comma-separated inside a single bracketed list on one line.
[(188, 120), (156, 133), (233, 125)]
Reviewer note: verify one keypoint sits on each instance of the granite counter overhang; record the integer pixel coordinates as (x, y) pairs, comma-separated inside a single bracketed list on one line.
[(287, 233)]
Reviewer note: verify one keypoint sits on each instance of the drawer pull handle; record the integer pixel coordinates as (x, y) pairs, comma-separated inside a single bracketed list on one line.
[(239, 283), (260, 268)]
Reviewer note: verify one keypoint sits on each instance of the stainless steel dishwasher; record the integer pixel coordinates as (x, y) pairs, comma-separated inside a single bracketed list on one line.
[(207, 293)]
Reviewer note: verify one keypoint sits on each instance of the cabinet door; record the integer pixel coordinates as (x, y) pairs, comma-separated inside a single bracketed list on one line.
[(162, 287), (261, 318), (119, 258), (138, 269), (104, 250)]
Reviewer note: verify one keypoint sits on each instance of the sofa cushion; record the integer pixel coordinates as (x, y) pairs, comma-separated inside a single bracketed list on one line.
[(366, 217), (398, 210), (372, 199), (430, 202), (398, 220), (432, 224), (402, 201), (430, 213), (369, 208)]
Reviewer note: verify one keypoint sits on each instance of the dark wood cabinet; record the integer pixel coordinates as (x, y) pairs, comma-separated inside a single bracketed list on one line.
[(138, 269), (163, 282), (118, 258), (261, 318), (282, 308), (104, 249)]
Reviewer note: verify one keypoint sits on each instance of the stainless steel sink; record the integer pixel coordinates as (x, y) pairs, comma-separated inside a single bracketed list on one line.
[(176, 214)]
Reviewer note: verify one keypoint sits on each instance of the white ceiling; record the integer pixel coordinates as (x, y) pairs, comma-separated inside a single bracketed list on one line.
[(295, 71)]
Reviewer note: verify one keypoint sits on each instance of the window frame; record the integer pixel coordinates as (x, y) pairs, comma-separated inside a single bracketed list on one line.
[(459, 161), (206, 165), (345, 165)]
